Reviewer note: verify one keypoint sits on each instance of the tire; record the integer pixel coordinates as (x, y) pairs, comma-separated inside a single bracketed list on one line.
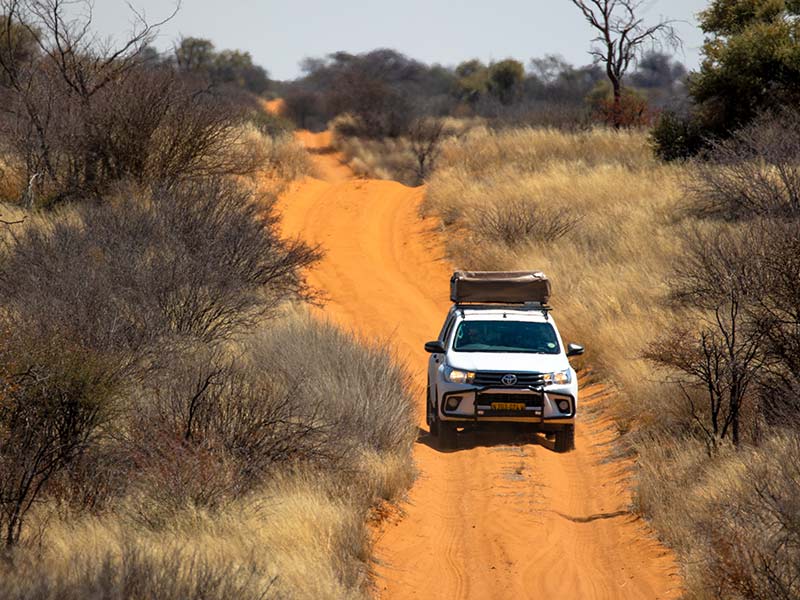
[(565, 439), (431, 417), (447, 436)]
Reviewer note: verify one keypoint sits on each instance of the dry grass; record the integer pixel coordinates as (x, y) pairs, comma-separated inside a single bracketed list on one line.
[(283, 158), (12, 184), (302, 534), (302, 537), (733, 516)]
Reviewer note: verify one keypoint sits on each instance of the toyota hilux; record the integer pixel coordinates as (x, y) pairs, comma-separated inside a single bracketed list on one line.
[(499, 358)]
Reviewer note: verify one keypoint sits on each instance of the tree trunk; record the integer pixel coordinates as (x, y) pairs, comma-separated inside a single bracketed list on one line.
[(617, 107)]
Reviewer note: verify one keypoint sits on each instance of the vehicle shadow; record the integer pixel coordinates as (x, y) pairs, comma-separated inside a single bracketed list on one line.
[(501, 435)]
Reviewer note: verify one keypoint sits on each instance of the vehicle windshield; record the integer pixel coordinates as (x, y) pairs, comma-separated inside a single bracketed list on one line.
[(506, 336)]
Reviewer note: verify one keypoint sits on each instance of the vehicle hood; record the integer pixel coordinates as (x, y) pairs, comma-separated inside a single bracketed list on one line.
[(511, 363)]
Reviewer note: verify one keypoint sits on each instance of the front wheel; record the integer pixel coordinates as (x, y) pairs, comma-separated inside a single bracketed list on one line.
[(565, 439)]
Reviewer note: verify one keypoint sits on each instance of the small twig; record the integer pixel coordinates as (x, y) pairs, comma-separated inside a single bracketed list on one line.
[(4, 222)]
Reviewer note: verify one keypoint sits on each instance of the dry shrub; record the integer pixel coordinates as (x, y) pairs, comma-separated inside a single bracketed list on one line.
[(81, 116), (202, 261), (273, 469), (516, 221), (54, 397), (733, 516), (398, 158), (755, 173)]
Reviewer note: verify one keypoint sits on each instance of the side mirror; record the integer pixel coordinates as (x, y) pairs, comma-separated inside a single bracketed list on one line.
[(436, 347), (575, 350)]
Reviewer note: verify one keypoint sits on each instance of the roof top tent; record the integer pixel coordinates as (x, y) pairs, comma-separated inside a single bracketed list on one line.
[(500, 287)]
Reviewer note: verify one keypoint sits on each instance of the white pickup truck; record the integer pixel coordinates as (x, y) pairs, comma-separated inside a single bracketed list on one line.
[(499, 359)]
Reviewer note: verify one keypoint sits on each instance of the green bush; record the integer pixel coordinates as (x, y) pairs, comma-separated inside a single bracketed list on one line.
[(675, 137)]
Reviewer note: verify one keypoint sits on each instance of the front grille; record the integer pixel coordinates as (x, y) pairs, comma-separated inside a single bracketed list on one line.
[(495, 378)]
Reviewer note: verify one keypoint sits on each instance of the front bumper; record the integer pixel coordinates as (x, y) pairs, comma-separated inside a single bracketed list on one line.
[(489, 404)]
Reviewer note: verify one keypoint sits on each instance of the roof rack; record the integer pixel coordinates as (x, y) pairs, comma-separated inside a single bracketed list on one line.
[(531, 306)]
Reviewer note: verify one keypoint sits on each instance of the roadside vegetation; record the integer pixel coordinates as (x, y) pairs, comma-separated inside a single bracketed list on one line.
[(172, 423), (682, 281)]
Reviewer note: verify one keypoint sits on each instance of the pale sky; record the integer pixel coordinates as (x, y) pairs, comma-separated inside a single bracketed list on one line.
[(279, 34)]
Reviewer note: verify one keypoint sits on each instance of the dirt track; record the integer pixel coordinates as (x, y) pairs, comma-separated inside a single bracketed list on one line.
[(490, 520)]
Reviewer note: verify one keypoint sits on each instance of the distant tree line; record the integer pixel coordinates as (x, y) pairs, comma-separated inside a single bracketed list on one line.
[(385, 90)]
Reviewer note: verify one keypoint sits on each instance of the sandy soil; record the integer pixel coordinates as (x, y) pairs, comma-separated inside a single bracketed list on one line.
[(492, 519)]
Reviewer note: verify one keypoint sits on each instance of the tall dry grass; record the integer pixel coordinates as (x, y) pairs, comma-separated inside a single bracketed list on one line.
[(612, 221), (11, 180), (302, 533)]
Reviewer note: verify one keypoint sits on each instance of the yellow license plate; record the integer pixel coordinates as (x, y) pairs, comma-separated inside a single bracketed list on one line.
[(508, 406)]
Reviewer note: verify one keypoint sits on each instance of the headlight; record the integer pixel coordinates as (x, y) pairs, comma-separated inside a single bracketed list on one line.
[(558, 378), (456, 376)]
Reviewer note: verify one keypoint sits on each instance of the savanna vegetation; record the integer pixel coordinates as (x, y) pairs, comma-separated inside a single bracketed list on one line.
[(682, 281), (172, 424), (170, 419)]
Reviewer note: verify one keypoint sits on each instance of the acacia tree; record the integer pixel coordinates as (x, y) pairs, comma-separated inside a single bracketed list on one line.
[(717, 365), (622, 35)]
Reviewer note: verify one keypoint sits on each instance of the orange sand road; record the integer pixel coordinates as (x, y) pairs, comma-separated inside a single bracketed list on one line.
[(490, 520)]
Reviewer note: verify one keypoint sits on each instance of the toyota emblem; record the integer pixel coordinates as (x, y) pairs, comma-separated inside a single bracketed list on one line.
[(509, 379)]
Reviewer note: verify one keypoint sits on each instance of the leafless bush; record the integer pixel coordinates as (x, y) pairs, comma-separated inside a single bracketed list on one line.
[(426, 136), (754, 531), (720, 363), (132, 280), (81, 116), (754, 173), (203, 260), (516, 221), (745, 346), (54, 395), (208, 430)]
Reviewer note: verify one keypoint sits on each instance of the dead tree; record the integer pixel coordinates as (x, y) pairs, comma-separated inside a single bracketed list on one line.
[(621, 35)]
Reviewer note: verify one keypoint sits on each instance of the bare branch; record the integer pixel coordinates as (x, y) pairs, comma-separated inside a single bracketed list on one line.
[(4, 222)]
